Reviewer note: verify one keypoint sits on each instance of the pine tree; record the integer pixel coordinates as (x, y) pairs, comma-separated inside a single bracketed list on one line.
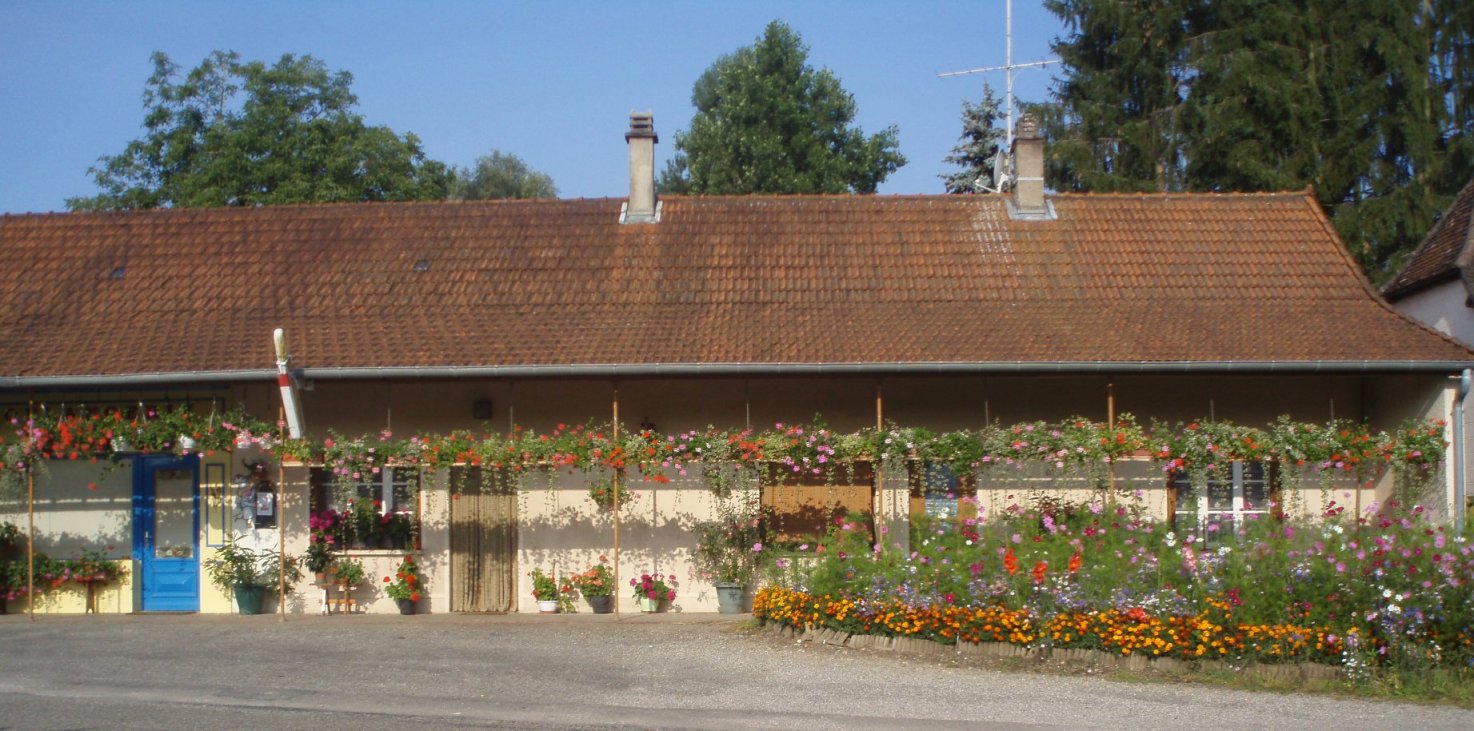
[(1365, 101), (978, 149), (1126, 72)]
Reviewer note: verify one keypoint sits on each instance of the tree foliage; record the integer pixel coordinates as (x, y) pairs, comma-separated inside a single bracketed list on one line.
[(501, 175), (978, 149), (243, 134), (768, 122), (1366, 101)]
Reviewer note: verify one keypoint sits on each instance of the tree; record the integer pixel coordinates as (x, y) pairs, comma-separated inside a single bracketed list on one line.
[(977, 152), (1365, 101), (500, 175), (767, 122), (1125, 64), (245, 134)]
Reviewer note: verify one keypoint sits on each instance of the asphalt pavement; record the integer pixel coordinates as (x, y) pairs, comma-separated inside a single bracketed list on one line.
[(576, 671)]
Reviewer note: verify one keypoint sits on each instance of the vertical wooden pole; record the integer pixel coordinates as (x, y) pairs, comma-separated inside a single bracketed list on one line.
[(31, 511), (615, 483), (281, 526), (1111, 423), (875, 466)]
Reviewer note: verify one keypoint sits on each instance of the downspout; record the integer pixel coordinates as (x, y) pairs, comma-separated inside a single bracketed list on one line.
[(1460, 493)]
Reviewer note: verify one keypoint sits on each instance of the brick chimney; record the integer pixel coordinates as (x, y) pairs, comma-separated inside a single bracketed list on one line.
[(641, 207), (1028, 166)]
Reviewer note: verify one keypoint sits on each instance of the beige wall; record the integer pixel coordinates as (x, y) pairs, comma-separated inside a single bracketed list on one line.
[(563, 531)]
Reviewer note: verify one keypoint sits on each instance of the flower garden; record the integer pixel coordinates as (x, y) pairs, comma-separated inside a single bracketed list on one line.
[(1386, 588), (1358, 586)]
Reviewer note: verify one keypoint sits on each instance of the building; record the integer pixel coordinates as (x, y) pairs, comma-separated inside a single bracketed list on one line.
[(940, 311)]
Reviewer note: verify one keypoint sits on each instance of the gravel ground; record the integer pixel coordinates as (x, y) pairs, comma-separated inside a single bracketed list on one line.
[(579, 671)]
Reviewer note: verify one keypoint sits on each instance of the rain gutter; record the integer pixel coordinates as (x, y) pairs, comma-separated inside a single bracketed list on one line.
[(883, 369), (135, 380), (646, 370)]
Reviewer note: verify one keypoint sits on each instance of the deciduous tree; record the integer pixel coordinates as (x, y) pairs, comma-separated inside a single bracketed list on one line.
[(768, 122), (242, 134), (501, 175)]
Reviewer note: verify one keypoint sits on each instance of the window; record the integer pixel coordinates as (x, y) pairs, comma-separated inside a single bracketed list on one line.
[(1242, 492), (382, 511), (940, 494)]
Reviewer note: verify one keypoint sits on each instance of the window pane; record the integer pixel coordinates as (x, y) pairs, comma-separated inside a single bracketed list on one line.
[(1220, 527), (940, 489), (1220, 494), (406, 487)]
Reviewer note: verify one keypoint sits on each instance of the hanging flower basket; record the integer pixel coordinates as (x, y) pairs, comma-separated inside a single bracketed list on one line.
[(602, 493)]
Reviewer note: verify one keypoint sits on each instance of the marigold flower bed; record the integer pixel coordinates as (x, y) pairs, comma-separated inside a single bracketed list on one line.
[(1126, 633)]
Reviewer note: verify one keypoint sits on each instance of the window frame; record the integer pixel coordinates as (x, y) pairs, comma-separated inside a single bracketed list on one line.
[(327, 490), (1240, 508)]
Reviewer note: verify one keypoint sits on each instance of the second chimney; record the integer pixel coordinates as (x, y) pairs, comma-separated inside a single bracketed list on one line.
[(641, 138), (1028, 167)]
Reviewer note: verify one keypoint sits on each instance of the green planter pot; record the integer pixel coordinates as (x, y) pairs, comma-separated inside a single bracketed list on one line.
[(650, 606), (729, 598), (248, 598)]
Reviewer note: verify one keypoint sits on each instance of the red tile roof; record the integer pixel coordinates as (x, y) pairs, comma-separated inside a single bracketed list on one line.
[(1437, 258), (1116, 279)]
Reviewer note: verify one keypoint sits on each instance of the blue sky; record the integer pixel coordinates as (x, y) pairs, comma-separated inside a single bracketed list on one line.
[(550, 82)]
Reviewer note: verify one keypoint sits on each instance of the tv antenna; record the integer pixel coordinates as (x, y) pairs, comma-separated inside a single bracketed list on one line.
[(1007, 68)]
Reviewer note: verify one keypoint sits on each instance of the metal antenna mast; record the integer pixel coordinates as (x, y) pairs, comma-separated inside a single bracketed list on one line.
[(1008, 68)]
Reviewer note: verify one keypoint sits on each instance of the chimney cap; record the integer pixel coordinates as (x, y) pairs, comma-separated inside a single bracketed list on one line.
[(642, 124), (1028, 127)]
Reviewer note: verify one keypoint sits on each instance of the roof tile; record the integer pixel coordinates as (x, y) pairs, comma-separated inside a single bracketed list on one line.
[(739, 280)]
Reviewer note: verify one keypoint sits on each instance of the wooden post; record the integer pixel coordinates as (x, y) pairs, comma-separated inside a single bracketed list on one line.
[(875, 466), (615, 484), (1111, 423), (31, 512), (281, 527)]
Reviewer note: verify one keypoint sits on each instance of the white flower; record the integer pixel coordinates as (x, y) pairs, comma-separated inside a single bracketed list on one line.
[(1394, 609), (1386, 593)]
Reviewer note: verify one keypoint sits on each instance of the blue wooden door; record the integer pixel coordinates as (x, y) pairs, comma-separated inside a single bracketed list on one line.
[(166, 531)]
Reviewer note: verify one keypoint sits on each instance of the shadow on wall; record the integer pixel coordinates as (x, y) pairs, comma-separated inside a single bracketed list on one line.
[(79, 506)]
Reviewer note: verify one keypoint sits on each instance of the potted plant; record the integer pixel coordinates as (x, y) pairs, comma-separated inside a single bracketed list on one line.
[(365, 521), (12, 582), (397, 527), (729, 552), (596, 584), (321, 548), (654, 592), (405, 587), (247, 574), (10, 539), (348, 572), (545, 591), (602, 493)]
